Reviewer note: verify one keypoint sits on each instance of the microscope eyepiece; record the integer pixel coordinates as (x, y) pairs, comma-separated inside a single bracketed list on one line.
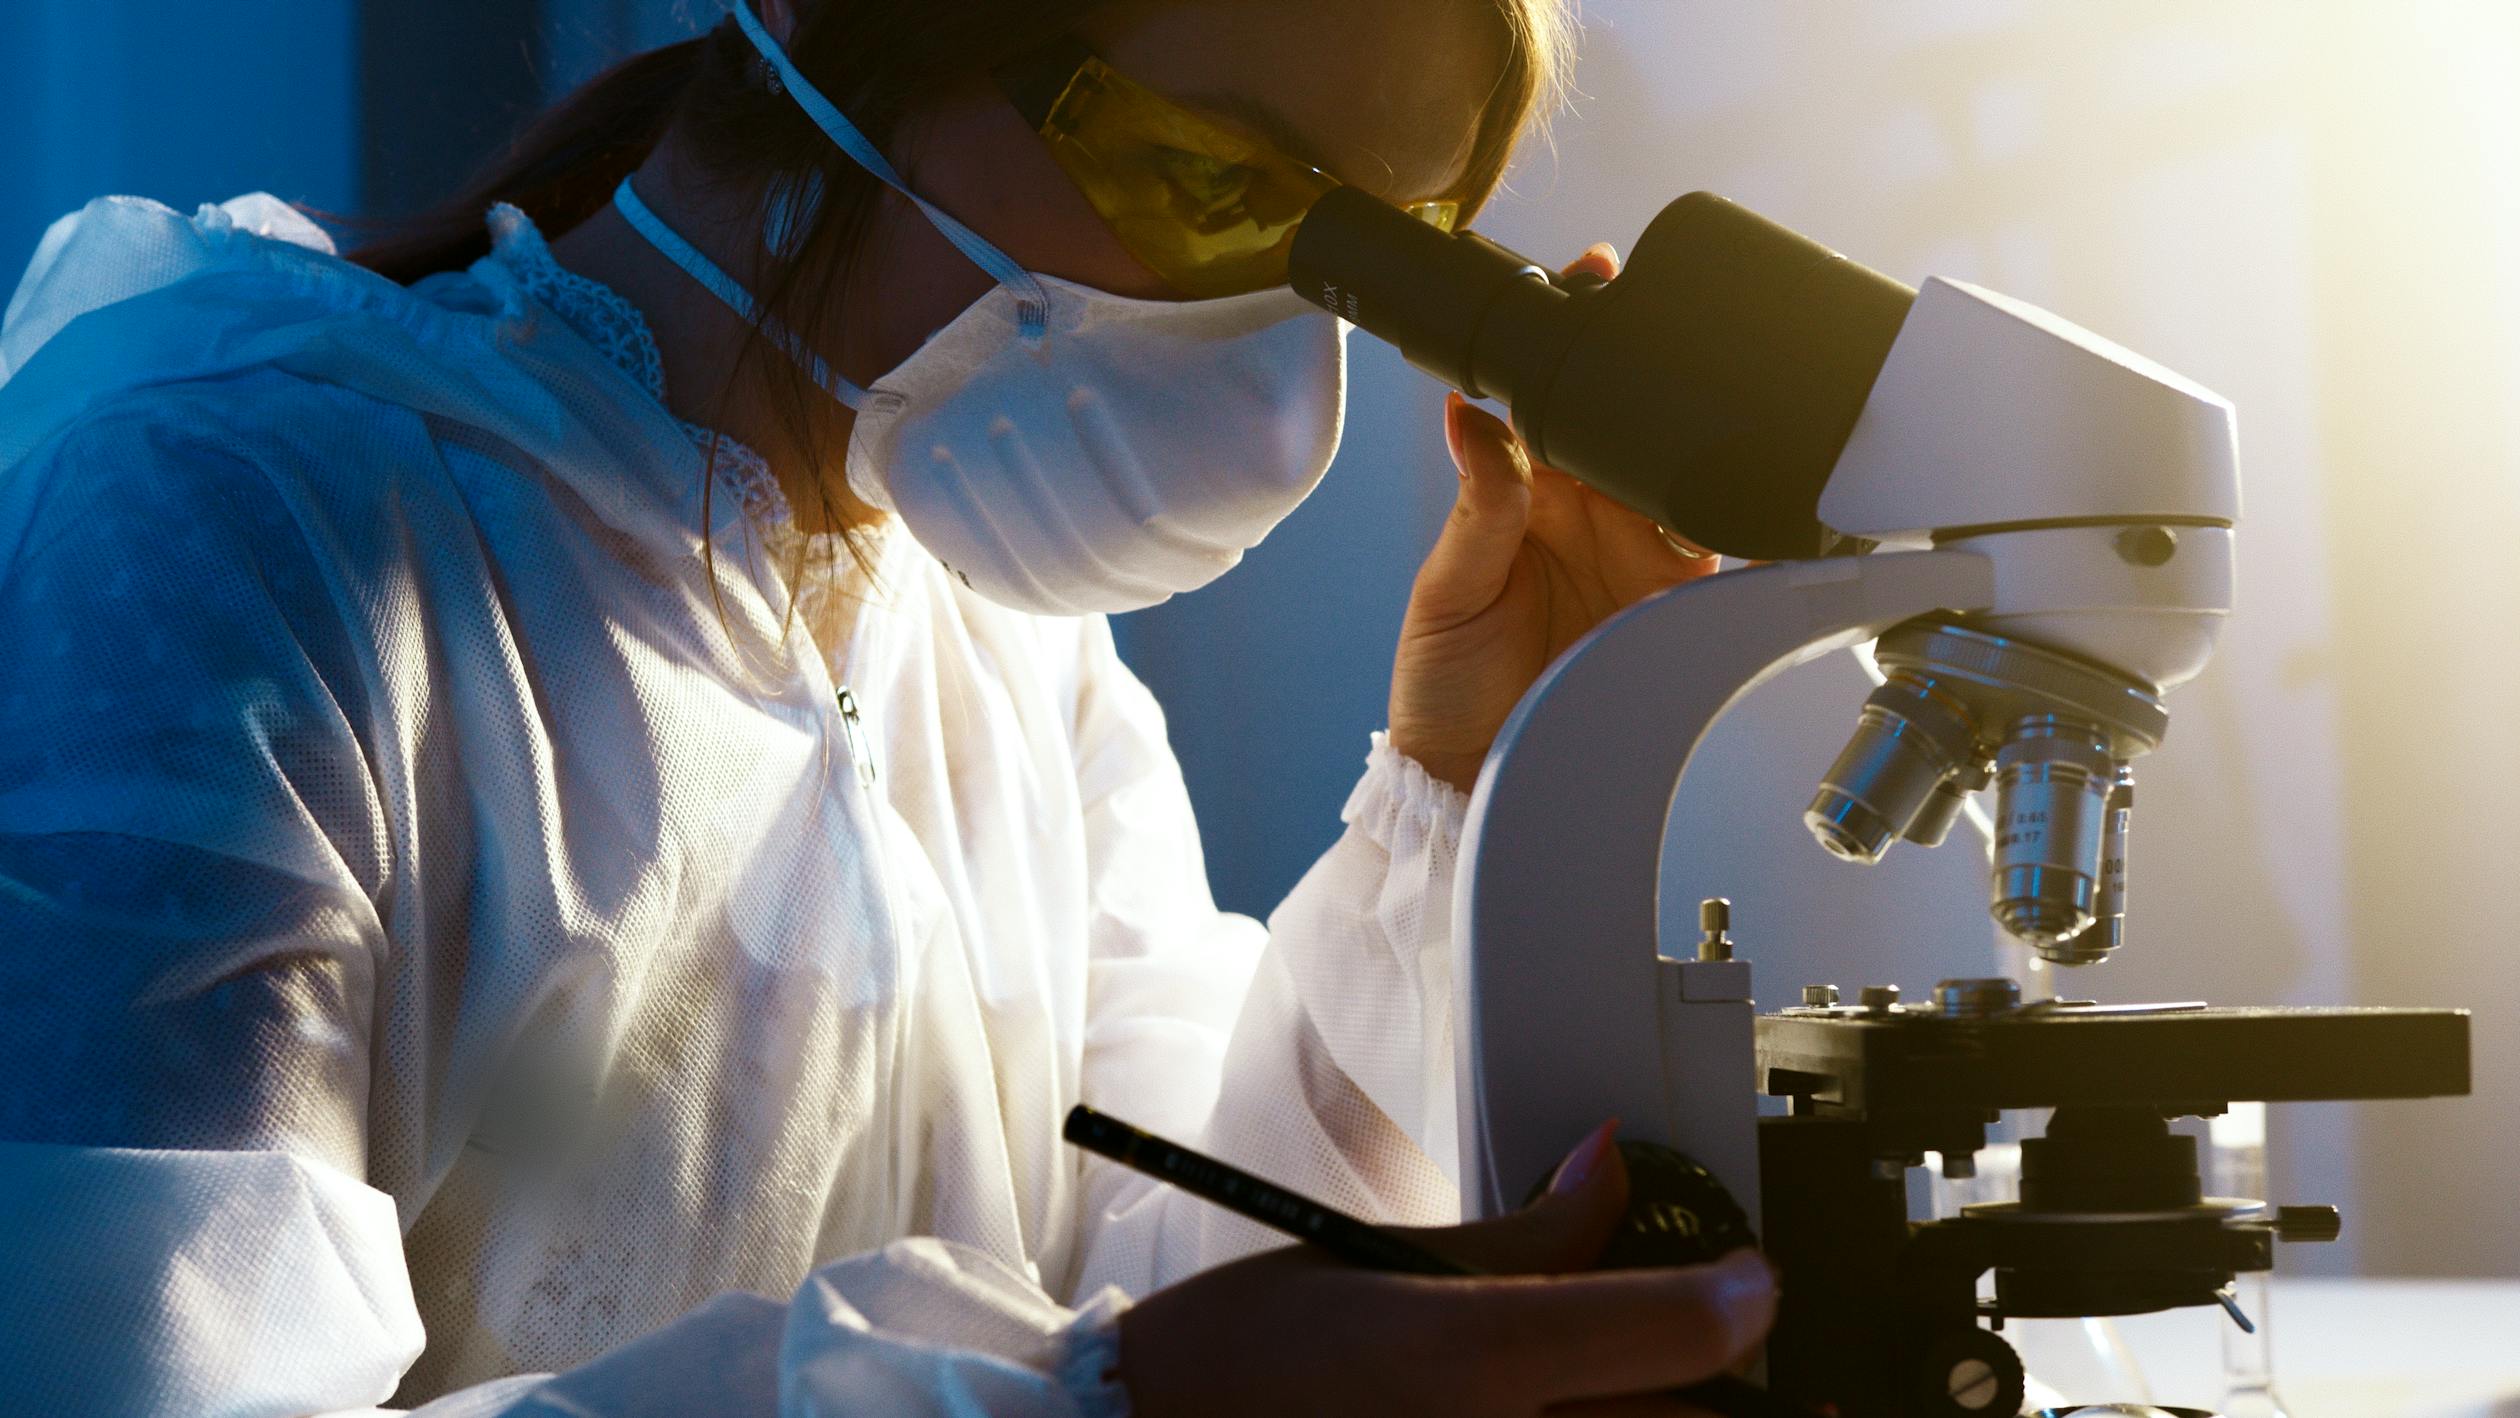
[(1710, 386), (1458, 306)]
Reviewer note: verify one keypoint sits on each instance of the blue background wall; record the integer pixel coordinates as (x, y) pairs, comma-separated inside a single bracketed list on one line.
[(187, 102)]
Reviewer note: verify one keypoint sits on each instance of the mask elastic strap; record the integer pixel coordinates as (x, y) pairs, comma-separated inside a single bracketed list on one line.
[(1032, 303), (696, 264)]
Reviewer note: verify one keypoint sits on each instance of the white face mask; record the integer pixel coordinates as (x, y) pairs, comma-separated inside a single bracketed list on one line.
[(1061, 449)]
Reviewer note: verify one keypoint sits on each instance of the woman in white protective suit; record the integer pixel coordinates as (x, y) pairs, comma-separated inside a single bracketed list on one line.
[(569, 822)]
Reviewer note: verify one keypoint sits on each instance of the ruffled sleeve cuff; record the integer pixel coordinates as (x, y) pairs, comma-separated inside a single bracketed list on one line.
[(1399, 804), (1089, 1360)]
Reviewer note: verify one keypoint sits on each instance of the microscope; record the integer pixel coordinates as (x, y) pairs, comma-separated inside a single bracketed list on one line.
[(2033, 527)]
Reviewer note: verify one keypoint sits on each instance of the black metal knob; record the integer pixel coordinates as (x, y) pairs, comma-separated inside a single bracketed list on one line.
[(1678, 1212), (1968, 1373), (2308, 1223)]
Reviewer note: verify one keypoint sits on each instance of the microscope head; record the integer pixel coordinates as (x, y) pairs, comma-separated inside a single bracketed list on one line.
[(1763, 396), (2104, 490)]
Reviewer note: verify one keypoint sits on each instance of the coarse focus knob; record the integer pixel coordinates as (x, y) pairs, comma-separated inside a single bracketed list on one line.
[(1678, 1213), (2308, 1223)]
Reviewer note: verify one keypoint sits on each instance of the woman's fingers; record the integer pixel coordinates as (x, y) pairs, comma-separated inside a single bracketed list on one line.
[(1214, 1344), (1638, 550), (1630, 1405), (1599, 259), (1557, 501), (1493, 507), (1474, 552), (1558, 1338), (1564, 1230), (1630, 550)]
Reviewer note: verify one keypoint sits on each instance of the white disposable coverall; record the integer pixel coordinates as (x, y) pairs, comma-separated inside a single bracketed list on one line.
[(416, 907)]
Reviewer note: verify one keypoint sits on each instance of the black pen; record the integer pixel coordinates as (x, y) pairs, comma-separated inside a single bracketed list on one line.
[(1351, 1240)]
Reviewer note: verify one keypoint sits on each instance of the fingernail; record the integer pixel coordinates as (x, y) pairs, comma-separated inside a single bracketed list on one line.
[(1604, 248), (1581, 1163), (1453, 405)]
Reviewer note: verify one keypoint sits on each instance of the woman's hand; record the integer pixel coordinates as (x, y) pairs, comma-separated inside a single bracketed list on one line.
[(1529, 560), (1294, 1331)]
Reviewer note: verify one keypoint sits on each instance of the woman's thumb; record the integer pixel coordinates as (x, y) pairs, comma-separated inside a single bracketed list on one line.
[(1566, 1227), (1491, 509)]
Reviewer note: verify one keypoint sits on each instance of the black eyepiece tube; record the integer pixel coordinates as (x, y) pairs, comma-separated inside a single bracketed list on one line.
[(1710, 386), (1428, 293)]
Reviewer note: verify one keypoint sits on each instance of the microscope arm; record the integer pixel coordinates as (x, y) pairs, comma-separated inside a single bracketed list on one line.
[(1559, 995)]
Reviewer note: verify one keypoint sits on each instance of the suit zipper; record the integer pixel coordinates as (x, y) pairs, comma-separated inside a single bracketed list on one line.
[(854, 730)]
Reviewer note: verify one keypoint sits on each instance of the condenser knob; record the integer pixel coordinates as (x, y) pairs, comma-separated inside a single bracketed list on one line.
[(2308, 1223)]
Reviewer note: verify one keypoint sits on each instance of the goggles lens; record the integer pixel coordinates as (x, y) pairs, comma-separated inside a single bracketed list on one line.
[(1211, 212)]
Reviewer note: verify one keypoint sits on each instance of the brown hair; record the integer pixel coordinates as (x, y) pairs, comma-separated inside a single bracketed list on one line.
[(877, 60)]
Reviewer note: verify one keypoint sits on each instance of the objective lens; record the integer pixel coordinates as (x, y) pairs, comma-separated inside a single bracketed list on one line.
[(1934, 821), (2053, 777), (2108, 908), (1905, 773)]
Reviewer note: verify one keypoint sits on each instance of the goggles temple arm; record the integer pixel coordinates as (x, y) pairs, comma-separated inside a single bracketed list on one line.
[(1035, 82)]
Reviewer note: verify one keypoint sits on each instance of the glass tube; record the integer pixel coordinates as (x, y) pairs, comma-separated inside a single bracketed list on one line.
[(2236, 1166)]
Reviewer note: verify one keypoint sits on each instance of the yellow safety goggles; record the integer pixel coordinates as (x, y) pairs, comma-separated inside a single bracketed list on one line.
[(1211, 212)]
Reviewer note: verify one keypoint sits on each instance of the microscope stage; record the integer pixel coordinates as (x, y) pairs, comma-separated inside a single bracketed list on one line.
[(2178, 1058)]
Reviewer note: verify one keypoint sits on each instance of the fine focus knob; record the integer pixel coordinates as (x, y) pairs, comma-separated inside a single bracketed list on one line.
[(1968, 1373)]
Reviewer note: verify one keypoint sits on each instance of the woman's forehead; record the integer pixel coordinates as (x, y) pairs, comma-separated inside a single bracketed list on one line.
[(1383, 94)]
